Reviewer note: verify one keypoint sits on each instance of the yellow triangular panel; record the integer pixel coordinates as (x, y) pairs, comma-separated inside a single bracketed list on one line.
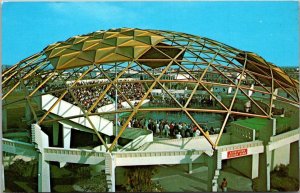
[(133, 43), (74, 62), (65, 58), (109, 34), (113, 58), (79, 39), (128, 33), (98, 35), (90, 43), (101, 46), (56, 51), (156, 39), (95, 47), (139, 50), (101, 53), (138, 32), (125, 29), (122, 40), (52, 46), (67, 52)]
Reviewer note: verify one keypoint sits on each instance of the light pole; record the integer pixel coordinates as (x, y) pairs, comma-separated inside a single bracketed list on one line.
[(116, 104)]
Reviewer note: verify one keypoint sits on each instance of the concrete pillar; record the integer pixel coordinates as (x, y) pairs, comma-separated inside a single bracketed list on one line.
[(275, 93), (67, 136), (41, 140), (3, 178), (66, 140), (190, 168), (255, 165), (250, 92), (43, 175), (55, 133), (294, 160), (213, 172), (4, 119), (273, 126), (110, 168), (265, 160)]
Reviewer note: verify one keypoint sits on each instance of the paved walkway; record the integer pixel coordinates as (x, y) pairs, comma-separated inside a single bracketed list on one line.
[(176, 179)]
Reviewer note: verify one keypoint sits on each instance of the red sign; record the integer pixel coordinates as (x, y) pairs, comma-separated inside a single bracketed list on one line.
[(236, 153)]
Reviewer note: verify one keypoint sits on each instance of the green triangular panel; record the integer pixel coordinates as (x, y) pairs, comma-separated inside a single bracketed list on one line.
[(110, 41), (101, 53), (64, 59), (54, 61), (108, 34), (98, 35), (125, 51), (88, 55), (80, 39), (121, 40), (89, 44), (128, 33), (74, 62), (77, 47), (57, 51), (144, 39), (70, 40)]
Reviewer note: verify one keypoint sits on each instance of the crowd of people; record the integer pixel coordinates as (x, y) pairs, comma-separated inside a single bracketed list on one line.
[(203, 101), (165, 128), (87, 95)]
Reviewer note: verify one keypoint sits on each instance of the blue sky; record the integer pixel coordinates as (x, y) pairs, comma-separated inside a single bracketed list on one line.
[(269, 29)]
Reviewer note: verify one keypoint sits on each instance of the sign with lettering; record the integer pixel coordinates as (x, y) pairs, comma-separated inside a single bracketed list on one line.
[(237, 153)]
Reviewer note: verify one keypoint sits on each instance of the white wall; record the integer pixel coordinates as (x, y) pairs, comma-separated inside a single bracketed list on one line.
[(281, 155), (65, 109)]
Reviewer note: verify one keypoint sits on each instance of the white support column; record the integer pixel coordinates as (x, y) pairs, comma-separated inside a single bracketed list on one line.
[(41, 140), (211, 90), (268, 163), (4, 119), (255, 165), (214, 164), (3, 178), (275, 93), (229, 90), (55, 133), (67, 136), (66, 140), (190, 168), (274, 126), (250, 92), (43, 175), (294, 160), (110, 168)]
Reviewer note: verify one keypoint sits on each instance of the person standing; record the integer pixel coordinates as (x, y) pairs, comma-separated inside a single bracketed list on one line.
[(224, 185)]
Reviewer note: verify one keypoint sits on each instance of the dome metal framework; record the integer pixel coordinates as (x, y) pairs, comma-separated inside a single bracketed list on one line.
[(145, 60)]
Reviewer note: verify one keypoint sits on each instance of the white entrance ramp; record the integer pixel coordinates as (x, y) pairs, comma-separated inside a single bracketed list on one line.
[(65, 109)]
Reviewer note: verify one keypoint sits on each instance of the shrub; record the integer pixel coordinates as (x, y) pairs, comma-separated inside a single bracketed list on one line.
[(94, 184), (139, 180)]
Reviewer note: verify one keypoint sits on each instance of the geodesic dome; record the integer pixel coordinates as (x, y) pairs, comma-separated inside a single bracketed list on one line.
[(137, 71)]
